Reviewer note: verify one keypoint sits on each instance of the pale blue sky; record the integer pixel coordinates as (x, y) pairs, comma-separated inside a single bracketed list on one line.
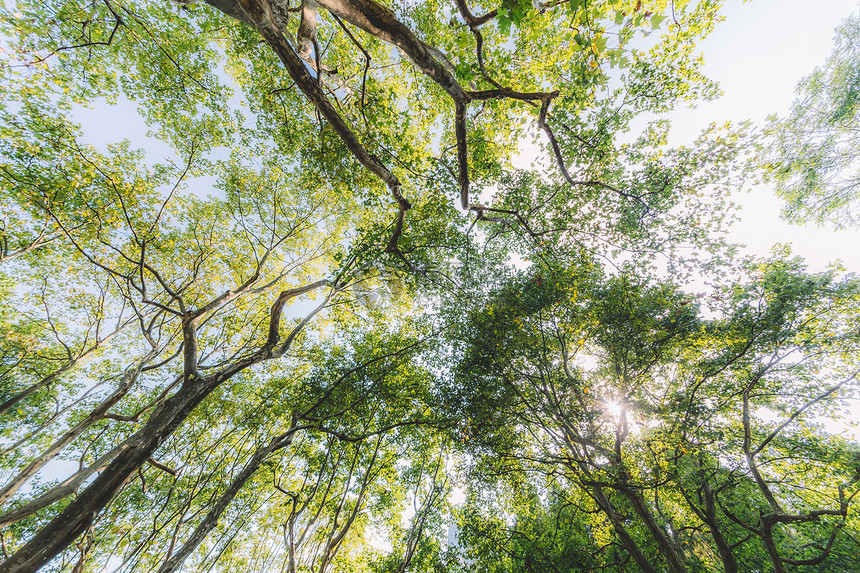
[(757, 55)]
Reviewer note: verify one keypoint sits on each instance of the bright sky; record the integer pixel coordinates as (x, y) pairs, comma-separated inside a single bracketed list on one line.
[(758, 54)]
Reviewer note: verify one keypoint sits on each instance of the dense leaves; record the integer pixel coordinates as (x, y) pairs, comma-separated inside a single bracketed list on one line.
[(614, 401), (319, 295)]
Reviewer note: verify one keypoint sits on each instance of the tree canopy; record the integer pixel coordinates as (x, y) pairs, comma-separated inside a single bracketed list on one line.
[(813, 150), (323, 294)]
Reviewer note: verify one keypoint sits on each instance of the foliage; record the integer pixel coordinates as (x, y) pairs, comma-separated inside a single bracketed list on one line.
[(690, 444), (813, 150), (278, 330)]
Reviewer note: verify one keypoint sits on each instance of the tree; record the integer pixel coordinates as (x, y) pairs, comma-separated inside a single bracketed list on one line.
[(274, 328), (612, 400), (813, 151)]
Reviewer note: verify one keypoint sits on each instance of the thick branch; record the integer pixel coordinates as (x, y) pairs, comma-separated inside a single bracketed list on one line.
[(307, 34), (462, 155), (380, 22), (216, 509), (278, 307), (471, 20)]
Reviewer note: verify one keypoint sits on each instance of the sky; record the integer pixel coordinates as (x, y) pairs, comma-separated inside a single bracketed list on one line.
[(758, 54)]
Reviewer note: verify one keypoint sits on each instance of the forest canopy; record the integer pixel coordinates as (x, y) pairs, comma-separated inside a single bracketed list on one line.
[(321, 317)]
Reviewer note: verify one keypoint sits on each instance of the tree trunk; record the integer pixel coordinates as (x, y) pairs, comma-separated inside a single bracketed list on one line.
[(729, 563), (667, 548), (96, 414), (624, 536), (211, 520), (54, 537), (766, 533)]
